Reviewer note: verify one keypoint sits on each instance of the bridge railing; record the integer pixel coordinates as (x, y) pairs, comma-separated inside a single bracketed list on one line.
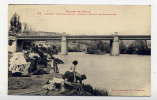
[(84, 37)]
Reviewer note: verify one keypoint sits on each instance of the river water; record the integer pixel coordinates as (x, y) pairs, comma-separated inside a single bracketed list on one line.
[(126, 75)]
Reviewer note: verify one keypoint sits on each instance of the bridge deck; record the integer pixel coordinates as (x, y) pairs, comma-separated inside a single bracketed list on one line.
[(86, 37)]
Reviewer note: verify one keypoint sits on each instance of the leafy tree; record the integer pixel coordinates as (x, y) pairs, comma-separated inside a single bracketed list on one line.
[(122, 47), (15, 24), (26, 28), (100, 46), (142, 47), (131, 49)]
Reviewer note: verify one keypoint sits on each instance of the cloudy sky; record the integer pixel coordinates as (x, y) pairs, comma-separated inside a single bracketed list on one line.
[(85, 19)]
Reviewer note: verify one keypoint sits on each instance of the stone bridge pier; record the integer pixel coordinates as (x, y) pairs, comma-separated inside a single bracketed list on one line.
[(64, 50), (115, 45)]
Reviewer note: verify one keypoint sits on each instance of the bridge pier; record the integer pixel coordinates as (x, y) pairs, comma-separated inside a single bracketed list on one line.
[(115, 46), (64, 45), (19, 45)]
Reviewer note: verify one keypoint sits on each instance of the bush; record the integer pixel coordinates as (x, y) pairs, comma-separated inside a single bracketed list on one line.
[(131, 49), (98, 47), (142, 48), (137, 47), (123, 48), (86, 90)]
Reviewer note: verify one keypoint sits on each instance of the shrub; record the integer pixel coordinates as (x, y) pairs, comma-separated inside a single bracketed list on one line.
[(86, 90)]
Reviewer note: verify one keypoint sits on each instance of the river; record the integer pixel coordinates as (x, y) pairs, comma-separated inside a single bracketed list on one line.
[(127, 75)]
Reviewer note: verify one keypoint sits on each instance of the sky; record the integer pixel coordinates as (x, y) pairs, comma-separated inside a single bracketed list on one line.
[(86, 19)]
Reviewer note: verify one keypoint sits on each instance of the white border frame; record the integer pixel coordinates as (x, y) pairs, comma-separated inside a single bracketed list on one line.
[(4, 45)]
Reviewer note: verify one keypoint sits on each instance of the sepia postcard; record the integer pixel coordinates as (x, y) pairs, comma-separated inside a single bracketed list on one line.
[(79, 50)]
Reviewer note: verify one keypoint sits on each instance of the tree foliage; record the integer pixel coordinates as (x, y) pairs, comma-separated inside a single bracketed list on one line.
[(15, 24)]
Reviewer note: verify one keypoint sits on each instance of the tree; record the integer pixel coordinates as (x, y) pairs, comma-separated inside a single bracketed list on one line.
[(131, 49), (122, 47), (26, 28), (142, 47), (15, 24), (100, 46)]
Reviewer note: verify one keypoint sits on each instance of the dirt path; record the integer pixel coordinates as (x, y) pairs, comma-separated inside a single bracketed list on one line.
[(29, 84)]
